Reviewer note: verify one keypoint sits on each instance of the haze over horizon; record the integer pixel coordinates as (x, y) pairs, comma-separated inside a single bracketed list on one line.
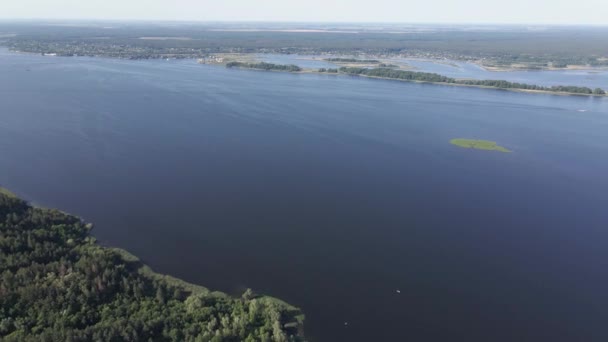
[(543, 12)]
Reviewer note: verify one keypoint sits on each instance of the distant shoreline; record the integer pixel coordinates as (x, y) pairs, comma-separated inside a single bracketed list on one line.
[(313, 71), (530, 91), (381, 57), (478, 63), (561, 93), (492, 68)]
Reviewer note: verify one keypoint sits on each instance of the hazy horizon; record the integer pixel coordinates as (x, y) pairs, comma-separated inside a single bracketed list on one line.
[(203, 21), (517, 12)]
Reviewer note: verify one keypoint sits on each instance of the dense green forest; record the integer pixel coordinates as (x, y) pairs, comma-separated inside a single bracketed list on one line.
[(264, 66), (58, 284), (436, 78)]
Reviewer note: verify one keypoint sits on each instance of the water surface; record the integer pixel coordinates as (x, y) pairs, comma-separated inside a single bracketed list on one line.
[(330, 192)]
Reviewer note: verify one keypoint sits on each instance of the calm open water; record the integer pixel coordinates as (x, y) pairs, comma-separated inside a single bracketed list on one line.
[(329, 192)]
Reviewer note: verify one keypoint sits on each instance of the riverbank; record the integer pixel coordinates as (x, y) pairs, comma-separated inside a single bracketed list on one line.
[(52, 255), (6, 192), (523, 67), (401, 62), (530, 91)]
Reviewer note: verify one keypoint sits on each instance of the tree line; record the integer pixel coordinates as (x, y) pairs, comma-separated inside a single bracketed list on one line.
[(352, 60), (264, 66), (436, 78), (58, 284), (329, 70)]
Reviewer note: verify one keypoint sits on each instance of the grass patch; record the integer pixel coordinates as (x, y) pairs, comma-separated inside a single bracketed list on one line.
[(479, 145), (7, 193)]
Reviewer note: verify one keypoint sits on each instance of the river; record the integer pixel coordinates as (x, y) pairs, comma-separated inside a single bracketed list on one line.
[(338, 194)]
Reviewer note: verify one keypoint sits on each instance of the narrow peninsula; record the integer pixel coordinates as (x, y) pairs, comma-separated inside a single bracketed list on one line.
[(58, 284), (390, 73), (404, 75)]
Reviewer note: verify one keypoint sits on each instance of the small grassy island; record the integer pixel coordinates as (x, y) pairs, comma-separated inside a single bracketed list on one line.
[(58, 284), (479, 145)]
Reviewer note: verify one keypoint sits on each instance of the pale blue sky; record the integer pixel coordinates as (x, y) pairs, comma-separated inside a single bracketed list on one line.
[(591, 12)]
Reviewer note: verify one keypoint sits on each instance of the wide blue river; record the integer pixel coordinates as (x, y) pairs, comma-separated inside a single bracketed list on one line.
[(341, 195)]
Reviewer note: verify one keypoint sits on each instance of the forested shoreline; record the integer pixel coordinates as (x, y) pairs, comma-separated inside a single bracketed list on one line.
[(352, 60), (58, 284), (388, 73), (415, 76)]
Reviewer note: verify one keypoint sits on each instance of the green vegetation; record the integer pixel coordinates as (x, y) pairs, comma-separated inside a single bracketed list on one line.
[(523, 86), (264, 66), (397, 74), (436, 78), (479, 145), (6, 192), (58, 284), (352, 60), (404, 75)]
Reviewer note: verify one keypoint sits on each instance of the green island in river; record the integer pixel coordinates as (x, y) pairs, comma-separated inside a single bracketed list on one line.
[(478, 144), (390, 73), (58, 284)]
